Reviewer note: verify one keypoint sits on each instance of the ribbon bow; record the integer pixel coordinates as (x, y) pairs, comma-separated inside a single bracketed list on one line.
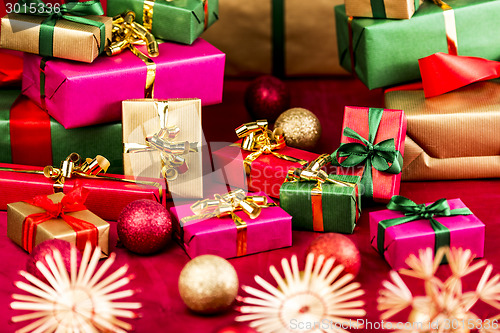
[(414, 212), (72, 202), (70, 11)]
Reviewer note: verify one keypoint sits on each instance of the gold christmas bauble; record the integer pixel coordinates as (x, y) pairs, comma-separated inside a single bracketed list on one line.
[(301, 128), (208, 284)]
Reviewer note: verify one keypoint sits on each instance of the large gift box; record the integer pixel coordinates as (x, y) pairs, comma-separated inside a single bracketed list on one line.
[(451, 136), (392, 9), (30, 136), (386, 52), (232, 225), (372, 146), (163, 139), (177, 21), (406, 227), (78, 94), (56, 216)]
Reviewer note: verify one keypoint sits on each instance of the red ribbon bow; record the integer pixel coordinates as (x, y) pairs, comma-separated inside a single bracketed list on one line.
[(72, 202)]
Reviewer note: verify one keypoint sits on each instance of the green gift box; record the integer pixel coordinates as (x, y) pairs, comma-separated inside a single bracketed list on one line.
[(386, 52), (177, 20), (335, 209), (29, 136)]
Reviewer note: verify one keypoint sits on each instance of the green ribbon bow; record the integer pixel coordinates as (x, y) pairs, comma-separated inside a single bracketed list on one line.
[(70, 11), (414, 212), (383, 156)]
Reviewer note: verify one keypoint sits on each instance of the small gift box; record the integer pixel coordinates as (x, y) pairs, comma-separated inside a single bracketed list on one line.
[(261, 160), (391, 9), (232, 225), (163, 139), (177, 21), (372, 146), (56, 216), (71, 31), (406, 227), (321, 202)]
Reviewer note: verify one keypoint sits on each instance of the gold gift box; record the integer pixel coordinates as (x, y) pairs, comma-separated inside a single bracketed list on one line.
[(54, 228), (141, 119), (451, 136), (394, 9), (73, 41)]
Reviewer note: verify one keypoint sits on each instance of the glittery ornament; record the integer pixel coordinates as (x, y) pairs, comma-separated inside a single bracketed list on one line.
[(266, 97), (144, 226), (338, 247), (208, 284), (301, 128)]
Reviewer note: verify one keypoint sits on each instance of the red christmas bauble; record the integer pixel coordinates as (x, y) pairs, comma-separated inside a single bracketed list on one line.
[(341, 248), (144, 226), (267, 97)]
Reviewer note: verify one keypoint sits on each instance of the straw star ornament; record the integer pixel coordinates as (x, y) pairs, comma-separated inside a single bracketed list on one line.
[(81, 301)]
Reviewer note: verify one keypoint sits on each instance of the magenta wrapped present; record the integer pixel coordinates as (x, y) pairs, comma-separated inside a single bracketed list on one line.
[(79, 94), (232, 225), (405, 227)]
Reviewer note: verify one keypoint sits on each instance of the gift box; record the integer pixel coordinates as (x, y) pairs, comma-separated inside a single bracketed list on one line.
[(164, 139), (11, 68), (228, 236), (79, 38), (33, 222), (391, 9), (400, 231), (451, 136), (78, 94), (386, 52), (177, 21), (372, 146)]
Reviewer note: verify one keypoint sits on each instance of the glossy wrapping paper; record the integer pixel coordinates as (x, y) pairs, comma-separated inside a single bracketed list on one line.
[(451, 136), (80, 94), (272, 229), (466, 231), (106, 199), (267, 173), (392, 9), (386, 51), (11, 68)]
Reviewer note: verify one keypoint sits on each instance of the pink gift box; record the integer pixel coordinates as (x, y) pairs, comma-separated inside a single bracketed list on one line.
[(79, 94), (272, 229), (466, 231)]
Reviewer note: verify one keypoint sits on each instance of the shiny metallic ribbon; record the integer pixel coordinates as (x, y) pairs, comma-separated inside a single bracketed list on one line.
[(313, 173), (148, 8), (227, 205), (450, 26), (171, 151)]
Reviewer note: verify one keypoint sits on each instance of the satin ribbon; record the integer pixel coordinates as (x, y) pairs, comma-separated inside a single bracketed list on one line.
[(450, 26), (71, 12), (382, 156), (414, 212), (226, 205), (148, 8), (72, 202)]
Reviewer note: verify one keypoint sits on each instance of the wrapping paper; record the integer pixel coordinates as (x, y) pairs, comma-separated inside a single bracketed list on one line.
[(341, 205), (466, 231), (181, 72), (386, 52), (267, 172), (141, 118), (393, 9), (11, 68), (54, 228), (177, 21), (7, 5), (107, 198), (452, 136), (73, 41), (271, 230)]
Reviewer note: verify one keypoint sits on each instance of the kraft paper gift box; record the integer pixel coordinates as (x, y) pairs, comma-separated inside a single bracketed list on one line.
[(391, 9), (177, 21), (451, 136), (145, 118), (227, 237), (20, 231), (398, 241), (79, 95), (386, 52), (372, 147)]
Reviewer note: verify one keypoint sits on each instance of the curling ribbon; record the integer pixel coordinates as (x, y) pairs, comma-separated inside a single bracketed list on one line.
[(71, 202), (227, 205), (148, 8)]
